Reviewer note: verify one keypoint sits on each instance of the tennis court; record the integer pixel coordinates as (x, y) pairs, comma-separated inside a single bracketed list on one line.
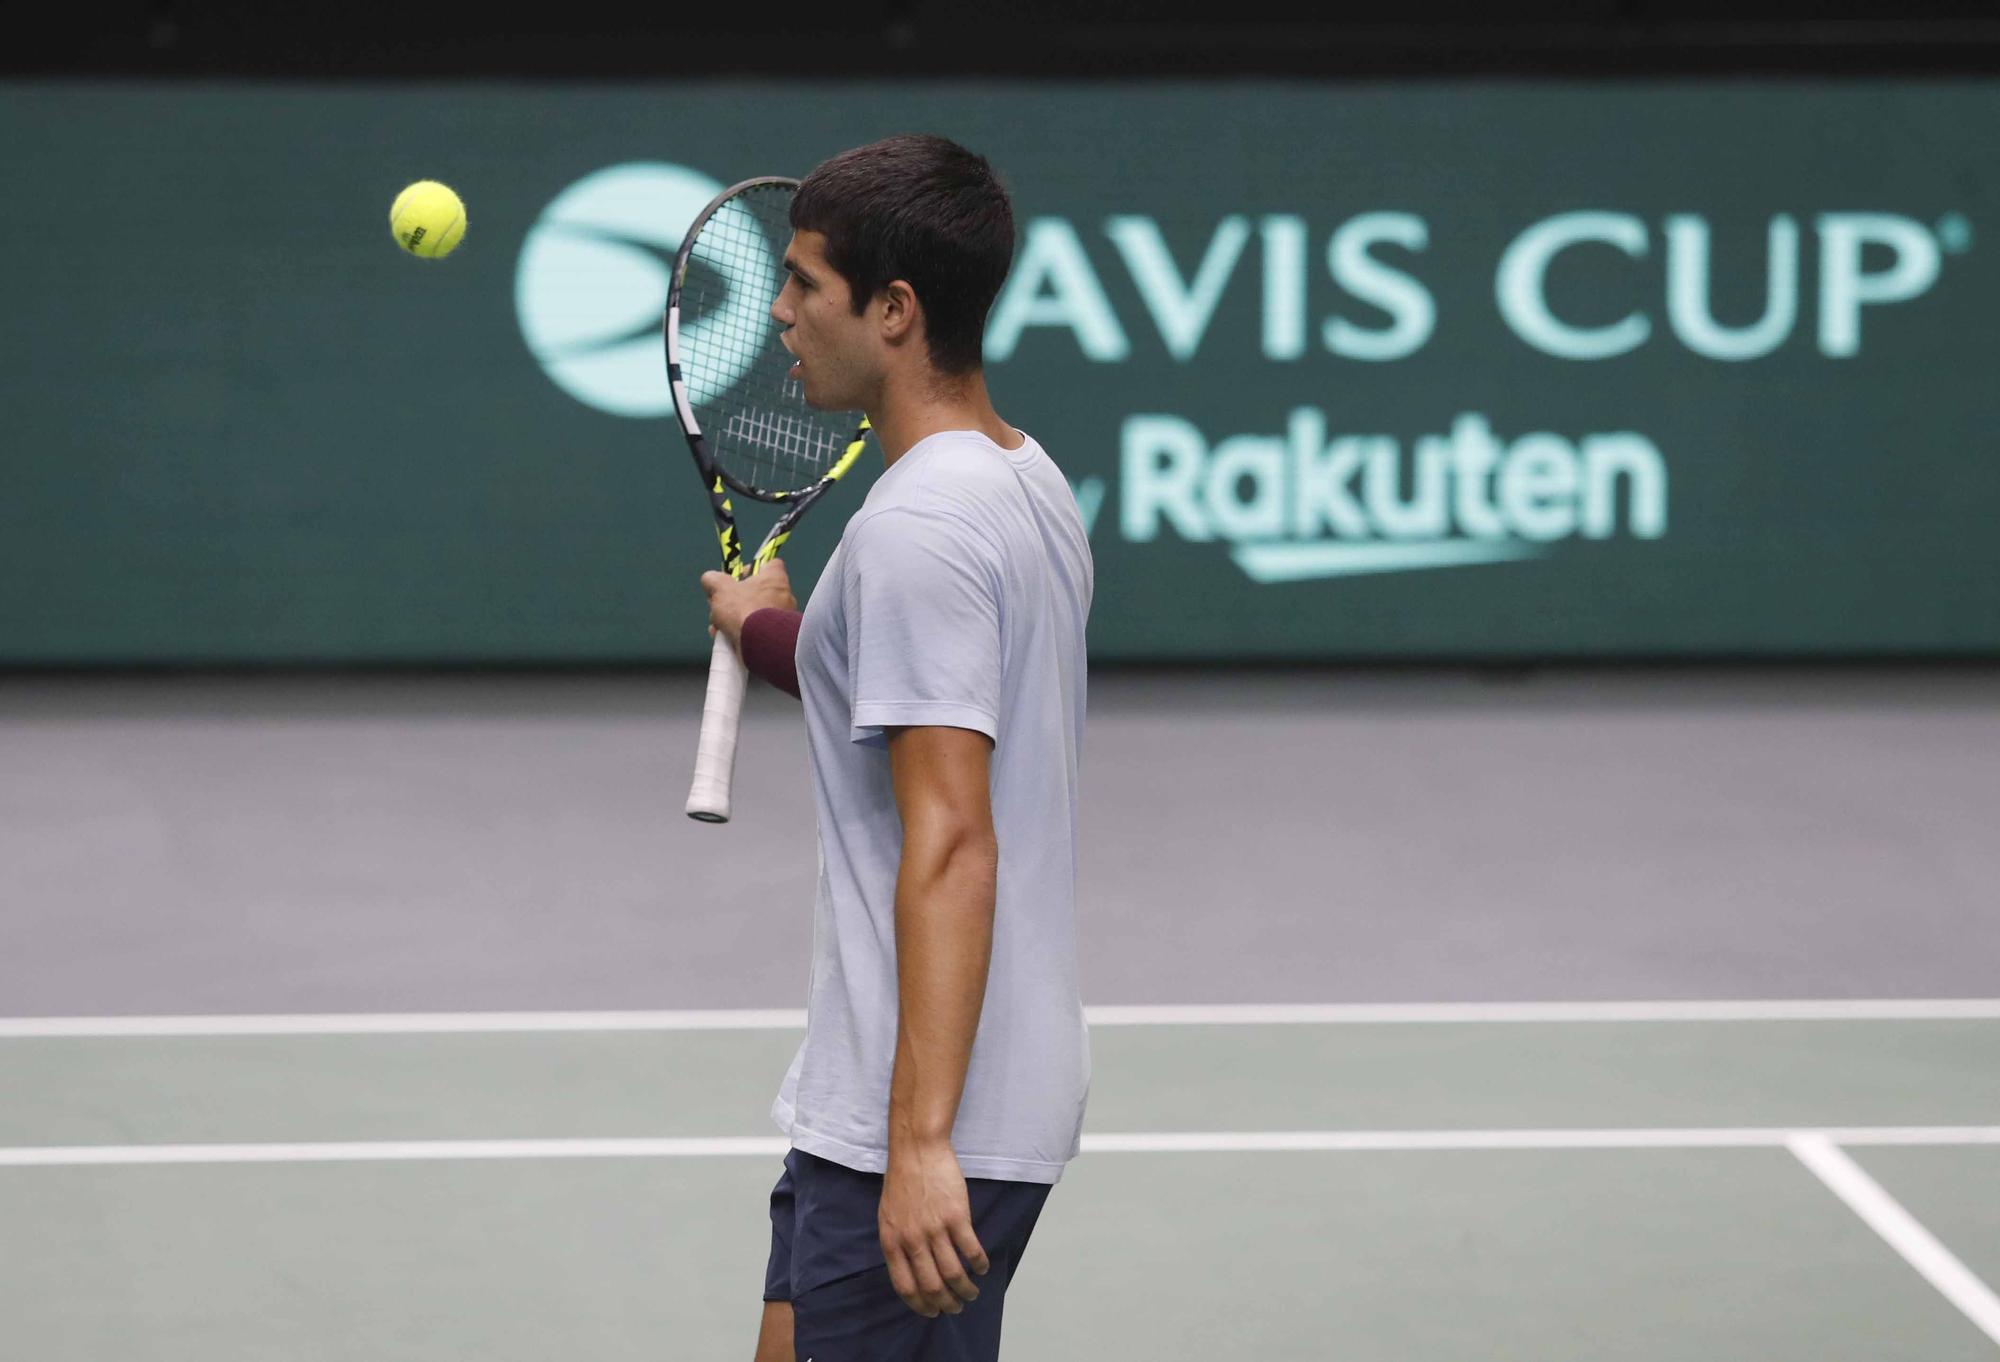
[(1429, 566), (1445, 1154), (1533, 1187)]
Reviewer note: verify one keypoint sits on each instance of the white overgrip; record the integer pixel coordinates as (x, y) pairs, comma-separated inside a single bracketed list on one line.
[(721, 714)]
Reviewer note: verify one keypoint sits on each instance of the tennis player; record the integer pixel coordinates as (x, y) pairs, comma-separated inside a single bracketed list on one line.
[(941, 1087)]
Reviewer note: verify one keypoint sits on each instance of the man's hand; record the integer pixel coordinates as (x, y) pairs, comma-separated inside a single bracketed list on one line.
[(926, 1224), (730, 602)]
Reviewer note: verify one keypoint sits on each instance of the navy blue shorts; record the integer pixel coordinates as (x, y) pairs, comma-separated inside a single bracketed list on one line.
[(826, 1259)]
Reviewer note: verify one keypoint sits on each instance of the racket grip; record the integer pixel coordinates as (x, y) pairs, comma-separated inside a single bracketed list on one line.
[(721, 715)]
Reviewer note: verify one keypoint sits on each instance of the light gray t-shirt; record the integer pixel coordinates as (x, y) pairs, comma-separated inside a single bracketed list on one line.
[(957, 597)]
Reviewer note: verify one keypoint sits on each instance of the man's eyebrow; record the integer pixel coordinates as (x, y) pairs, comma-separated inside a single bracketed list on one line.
[(793, 266)]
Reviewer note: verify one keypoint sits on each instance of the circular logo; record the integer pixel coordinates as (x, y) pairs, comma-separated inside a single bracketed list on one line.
[(593, 278)]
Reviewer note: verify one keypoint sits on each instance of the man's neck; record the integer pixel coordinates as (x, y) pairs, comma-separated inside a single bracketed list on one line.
[(902, 418)]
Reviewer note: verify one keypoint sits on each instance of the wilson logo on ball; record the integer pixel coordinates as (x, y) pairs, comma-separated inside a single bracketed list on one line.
[(428, 220)]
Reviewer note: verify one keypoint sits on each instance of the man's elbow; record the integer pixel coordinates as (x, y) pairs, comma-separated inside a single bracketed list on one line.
[(952, 843)]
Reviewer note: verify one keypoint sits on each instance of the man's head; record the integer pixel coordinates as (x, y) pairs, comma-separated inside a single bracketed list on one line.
[(898, 250)]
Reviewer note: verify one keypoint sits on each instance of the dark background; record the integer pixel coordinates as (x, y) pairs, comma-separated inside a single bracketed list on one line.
[(317, 39)]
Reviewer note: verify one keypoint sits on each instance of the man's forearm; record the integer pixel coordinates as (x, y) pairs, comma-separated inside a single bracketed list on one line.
[(944, 945)]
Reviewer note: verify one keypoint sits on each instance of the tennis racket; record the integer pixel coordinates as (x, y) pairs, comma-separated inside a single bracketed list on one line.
[(746, 421)]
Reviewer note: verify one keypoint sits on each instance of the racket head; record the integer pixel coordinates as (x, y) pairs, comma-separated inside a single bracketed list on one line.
[(745, 418)]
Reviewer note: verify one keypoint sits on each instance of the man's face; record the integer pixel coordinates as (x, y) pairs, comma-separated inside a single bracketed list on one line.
[(835, 348)]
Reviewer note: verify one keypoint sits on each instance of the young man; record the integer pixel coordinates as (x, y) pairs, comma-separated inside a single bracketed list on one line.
[(941, 1087)]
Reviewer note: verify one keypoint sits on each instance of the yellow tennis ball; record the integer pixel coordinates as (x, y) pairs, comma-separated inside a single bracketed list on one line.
[(428, 220)]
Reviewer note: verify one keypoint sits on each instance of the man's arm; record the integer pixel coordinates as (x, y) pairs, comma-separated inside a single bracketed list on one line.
[(944, 921), (944, 944)]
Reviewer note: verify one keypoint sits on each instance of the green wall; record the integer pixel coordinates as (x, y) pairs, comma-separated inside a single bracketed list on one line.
[(1427, 370)]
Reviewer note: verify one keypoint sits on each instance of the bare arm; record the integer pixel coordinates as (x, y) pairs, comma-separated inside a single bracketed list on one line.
[(944, 922), (944, 944)]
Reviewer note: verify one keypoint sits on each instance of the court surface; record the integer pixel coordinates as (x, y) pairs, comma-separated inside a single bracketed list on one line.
[(359, 1021), (1422, 1188)]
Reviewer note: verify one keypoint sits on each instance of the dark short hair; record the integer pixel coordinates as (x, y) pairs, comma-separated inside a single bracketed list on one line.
[(922, 209)]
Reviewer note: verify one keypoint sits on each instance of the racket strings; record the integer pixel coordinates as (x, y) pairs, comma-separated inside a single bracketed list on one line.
[(801, 444), (759, 428)]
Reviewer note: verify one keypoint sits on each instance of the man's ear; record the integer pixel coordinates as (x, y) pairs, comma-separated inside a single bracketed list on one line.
[(899, 311)]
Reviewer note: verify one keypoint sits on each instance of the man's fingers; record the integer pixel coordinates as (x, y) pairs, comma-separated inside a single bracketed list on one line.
[(969, 1249), (903, 1277), (930, 1279), (900, 1277), (930, 1284), (955, 1276)]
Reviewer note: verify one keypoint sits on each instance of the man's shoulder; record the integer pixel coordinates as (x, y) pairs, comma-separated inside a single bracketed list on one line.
[(932, 518), (954, 477), (956, 459)]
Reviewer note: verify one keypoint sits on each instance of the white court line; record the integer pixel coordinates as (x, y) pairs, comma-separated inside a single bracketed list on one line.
[(391, 1151), (1886, 1216), (786, 1019), (1205, 1142), (401, 1023), (1727, 1137)]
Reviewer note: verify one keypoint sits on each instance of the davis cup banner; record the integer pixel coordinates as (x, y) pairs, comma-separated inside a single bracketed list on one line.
[(1438, 371)]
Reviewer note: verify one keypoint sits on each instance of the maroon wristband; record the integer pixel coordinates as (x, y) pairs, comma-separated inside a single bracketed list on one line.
[(770, 647)]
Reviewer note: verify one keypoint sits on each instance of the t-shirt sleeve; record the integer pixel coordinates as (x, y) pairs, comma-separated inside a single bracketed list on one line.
[(923, 593)]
